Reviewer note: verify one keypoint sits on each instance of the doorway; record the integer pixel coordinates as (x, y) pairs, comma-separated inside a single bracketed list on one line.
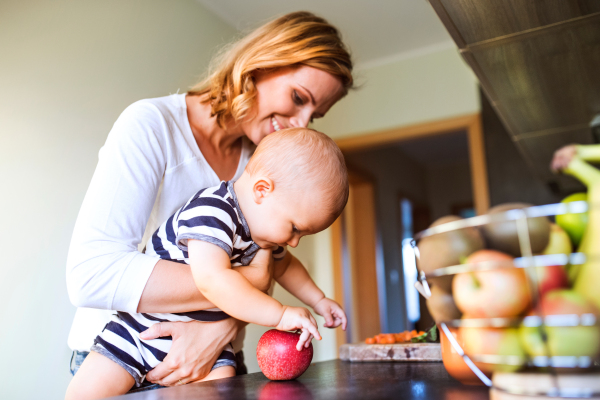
[(401, 180)]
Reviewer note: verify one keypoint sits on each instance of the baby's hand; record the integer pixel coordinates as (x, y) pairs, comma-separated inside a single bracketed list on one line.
[(332, 312), (294, 318)]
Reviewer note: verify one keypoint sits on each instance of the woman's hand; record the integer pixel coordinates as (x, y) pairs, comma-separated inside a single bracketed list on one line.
[(196, 346)]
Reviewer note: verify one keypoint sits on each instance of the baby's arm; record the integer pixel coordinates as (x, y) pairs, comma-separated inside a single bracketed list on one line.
[(293, 277), (260, 270), (231, 292)]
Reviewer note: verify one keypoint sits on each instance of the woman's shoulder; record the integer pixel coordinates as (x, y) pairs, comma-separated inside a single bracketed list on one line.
[(160, 120)]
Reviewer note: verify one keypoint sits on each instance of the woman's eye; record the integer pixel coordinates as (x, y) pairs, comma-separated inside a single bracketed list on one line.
[(297, 99), (294, 229)]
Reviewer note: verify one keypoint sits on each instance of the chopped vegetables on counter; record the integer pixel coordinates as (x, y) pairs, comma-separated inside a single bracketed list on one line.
[(430, 336), (391, 338)]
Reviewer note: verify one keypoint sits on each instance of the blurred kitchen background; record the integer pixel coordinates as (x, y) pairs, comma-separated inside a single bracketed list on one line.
[(422, 139)]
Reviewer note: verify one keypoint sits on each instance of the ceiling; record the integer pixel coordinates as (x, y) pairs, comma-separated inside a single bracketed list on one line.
[(376, 31)]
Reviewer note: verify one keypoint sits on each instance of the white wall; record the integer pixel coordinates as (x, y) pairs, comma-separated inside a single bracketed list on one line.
[(425, 88), (67, 69)]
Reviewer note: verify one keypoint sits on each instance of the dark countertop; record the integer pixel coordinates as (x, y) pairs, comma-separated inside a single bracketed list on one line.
[(334, 379)]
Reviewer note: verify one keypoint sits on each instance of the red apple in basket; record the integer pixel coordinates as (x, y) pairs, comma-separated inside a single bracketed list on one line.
[(550, 278), (494, 293), (278, 358)]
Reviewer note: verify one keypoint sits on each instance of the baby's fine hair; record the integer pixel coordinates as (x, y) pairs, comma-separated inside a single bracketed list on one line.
[(303, 159)]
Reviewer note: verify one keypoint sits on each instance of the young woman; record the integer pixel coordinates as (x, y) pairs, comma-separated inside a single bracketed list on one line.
[(284, 74)]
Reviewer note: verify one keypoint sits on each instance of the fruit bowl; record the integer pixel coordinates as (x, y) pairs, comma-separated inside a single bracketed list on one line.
[(506, 293)]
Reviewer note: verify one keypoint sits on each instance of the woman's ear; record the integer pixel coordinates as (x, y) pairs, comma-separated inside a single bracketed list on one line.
[(262, 188)]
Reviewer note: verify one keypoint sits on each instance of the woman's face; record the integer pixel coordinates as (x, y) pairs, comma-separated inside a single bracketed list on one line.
[(290, 97)]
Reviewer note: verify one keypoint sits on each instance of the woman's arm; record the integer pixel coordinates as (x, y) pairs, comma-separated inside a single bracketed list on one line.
[(171, 287), (104, 267)]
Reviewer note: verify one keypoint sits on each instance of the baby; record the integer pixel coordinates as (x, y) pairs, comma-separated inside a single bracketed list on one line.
[(295, 184)]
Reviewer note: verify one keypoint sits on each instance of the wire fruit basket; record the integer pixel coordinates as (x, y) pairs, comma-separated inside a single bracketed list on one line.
[(546, 340)]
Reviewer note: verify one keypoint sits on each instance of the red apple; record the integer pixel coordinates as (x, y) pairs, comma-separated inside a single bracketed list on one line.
[(562, 340), (278, 358), (550, 278), (495, 293)]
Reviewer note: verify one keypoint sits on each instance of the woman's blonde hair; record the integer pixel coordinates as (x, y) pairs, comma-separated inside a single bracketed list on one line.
[(298, 38)]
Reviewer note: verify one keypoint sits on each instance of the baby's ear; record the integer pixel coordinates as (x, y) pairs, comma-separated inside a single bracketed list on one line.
[(263, 187)]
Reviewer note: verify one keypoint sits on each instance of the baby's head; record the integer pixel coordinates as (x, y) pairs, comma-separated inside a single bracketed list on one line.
[(298, 185)]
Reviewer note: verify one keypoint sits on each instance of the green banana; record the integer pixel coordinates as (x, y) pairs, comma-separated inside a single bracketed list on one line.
[(587, 281)]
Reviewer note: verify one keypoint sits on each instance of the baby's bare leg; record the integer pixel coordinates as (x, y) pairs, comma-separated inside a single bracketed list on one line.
[(98, 378)]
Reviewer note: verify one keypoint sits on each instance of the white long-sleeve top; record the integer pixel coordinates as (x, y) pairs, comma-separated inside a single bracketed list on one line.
[(149, 166)]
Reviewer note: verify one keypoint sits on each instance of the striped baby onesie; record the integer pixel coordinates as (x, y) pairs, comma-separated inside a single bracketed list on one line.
[(212, 215)]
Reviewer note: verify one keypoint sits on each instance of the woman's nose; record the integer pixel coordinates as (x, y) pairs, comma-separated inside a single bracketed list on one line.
[(294, 242), (301, 120)]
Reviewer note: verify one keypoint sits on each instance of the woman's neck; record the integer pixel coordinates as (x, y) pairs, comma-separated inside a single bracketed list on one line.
[(206, 130), (221, 148)]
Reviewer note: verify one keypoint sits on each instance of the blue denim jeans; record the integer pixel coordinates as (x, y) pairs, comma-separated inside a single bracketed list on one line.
[(78, 357)]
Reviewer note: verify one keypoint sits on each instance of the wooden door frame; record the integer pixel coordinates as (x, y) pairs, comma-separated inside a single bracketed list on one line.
[(471, 123)]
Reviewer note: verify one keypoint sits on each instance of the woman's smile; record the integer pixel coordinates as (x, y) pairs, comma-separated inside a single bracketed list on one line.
[(275, 124)]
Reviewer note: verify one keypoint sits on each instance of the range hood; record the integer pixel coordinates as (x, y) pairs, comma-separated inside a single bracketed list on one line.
[(538, 62)]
